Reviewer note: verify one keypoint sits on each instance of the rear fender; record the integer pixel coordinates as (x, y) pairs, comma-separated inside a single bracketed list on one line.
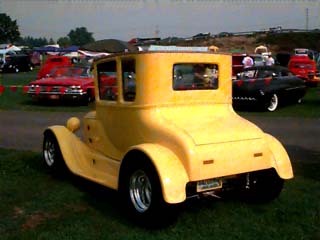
[(281, 161), (172, 174)]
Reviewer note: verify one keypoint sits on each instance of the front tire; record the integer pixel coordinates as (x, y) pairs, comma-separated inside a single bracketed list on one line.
[(51, 153)]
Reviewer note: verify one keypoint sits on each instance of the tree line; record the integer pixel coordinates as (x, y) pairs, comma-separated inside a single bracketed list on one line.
[(9, 33)]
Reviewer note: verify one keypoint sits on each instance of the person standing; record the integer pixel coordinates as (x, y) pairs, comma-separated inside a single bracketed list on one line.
[(269, 61), (247, 61)]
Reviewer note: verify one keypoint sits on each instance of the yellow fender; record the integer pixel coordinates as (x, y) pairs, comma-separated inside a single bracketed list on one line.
[(73, 150), (281, 161), (172, 174)]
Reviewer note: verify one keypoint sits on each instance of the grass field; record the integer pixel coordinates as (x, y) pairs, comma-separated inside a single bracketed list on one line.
[(36, 205)]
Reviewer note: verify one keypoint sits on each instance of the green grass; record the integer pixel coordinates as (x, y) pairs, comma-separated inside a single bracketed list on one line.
[(36, 205)]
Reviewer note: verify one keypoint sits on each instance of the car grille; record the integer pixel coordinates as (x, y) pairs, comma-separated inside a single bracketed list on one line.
[(47, 89)]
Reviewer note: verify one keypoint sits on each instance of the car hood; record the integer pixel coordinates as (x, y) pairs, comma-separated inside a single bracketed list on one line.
[(213, 125), (62, 81)]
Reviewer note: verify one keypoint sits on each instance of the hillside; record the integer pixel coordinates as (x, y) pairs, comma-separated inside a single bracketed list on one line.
[(280, 42)]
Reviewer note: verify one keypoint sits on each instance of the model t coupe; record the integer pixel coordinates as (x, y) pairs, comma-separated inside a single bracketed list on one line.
[(159, 137)]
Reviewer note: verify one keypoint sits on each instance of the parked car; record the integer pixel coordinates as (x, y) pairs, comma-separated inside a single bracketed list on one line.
[(267, 87), (159, 144), (11, 61), (52, 62), (305, 68), (66, 83)]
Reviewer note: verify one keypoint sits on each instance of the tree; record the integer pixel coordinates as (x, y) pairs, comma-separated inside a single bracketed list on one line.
[(32, 42), (64, 42), (9, 30), (51, 41), (80, 36)]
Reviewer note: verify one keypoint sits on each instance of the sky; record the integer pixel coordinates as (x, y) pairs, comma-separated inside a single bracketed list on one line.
[(127, 19)]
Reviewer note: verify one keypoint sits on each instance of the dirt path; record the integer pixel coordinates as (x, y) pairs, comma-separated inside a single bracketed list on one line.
[(23, 129)]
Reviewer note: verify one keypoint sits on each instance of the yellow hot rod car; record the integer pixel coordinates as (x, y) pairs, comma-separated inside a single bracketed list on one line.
[(164, 130)]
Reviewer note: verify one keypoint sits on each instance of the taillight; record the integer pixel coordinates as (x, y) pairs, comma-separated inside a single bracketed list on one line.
[(239, 83), (267, 81), (252, 81)]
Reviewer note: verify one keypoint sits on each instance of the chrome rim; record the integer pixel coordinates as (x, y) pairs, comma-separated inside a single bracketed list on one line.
[(140, 191), (49, 152), (273, 103)]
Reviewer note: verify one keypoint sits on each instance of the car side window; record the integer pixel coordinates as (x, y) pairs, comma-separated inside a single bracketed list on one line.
[(129, 79), (107, 80)]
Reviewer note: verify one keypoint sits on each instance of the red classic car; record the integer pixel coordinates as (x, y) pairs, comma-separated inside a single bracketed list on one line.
[(52, 62), (64, 83), (305, 68)]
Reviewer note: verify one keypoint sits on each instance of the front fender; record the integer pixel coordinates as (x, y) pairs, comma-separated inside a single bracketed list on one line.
[(172, 174), (73, 150), (281, 161)]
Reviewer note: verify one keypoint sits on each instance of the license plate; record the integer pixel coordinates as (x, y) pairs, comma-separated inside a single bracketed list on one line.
[(208, 184), (53, 96)]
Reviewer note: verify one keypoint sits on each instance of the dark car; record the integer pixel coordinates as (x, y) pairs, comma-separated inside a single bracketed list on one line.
[(267, 87), (17, 63)]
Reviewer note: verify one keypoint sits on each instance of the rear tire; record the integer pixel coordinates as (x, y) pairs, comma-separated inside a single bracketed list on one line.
[(273, 102), (141, 192), (261, 186)]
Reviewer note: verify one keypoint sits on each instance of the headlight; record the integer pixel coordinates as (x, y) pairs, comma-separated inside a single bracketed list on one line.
[(74, 89), (33, 87)]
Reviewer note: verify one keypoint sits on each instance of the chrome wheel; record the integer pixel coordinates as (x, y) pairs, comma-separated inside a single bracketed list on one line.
[(274, 102), (140, 191), (51, 153), (49, 150)]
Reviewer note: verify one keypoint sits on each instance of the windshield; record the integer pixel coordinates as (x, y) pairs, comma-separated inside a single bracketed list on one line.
[(82, 72)]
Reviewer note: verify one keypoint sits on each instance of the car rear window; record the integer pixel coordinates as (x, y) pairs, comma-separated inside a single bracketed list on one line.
[(194, 76)]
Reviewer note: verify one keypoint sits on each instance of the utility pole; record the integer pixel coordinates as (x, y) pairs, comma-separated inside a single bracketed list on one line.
[(307, 18), (157, 31)]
